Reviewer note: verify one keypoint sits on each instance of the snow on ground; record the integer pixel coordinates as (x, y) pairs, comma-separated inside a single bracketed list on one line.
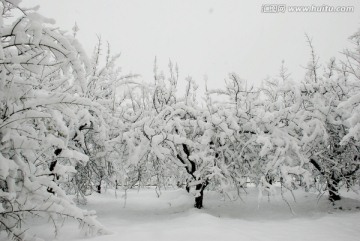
[(172, 217)]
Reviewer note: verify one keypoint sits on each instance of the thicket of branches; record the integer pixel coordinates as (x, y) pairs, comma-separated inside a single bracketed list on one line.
[(71, 125)]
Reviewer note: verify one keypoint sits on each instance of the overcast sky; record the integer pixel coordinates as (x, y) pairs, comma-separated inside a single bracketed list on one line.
[(207, 37)]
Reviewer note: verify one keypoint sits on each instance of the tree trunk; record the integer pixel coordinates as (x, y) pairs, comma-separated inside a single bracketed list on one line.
[(98, 187), (333, 188), (332, 182), (199, 199)]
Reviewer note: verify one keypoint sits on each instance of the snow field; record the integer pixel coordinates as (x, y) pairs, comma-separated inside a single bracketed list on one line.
[(171, 217)]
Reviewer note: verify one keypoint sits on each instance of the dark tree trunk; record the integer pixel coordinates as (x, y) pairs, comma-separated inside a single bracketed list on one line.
[(269, 178), (191, 170), (98, 188), (332, 182), (333, 187), (199, 199)]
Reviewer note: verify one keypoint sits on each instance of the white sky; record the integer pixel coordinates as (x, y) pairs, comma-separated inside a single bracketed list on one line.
[(206, 37)]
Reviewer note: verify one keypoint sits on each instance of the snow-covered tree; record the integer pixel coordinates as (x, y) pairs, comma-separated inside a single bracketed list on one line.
[(171, 139), (102, 126), (236, 147), (308, 129), (42, 86), (297, 133)]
